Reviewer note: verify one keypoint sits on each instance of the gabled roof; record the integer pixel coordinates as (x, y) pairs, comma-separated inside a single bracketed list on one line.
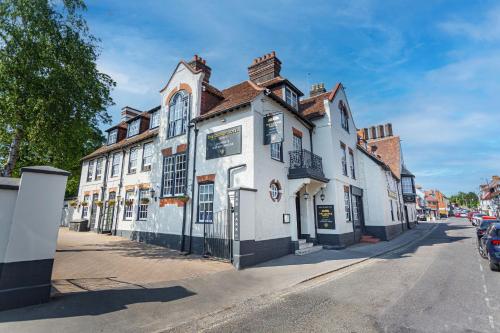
[(150, 133), (389, 150), (280, 80), (314, 107), (376, 159)]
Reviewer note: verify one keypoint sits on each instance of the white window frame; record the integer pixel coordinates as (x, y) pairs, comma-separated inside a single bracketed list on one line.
[(277, 151), (155, 119), (174, 175), (115, 163), (297, 142), (134, 127), (128, 211), (205, 202), (90, 170), (352, 166), (142, 209), (98, 168), (147, 160), (291, 97), (132, 161), (347, 205), (112, 136), (178, 114), (343, 148), (85, 209)]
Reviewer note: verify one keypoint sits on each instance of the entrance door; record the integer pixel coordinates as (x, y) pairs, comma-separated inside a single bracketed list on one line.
[(299, 223), (109, 213), (406, 217), (93, 212), (357, 217)]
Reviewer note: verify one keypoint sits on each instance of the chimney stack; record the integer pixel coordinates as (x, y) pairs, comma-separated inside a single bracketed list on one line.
[(128, 113), (317, 89), (388, 129), (264, 68), (200, 64)]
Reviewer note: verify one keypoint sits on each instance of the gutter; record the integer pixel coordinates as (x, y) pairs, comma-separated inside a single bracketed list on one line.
[(229, 170), (187, 168)]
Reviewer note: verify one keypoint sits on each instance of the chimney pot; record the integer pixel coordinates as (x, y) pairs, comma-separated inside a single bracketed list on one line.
[(317, 89), (264, 68)]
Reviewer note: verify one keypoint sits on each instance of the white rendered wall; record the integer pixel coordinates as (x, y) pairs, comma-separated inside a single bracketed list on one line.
[(36, 217), (7, 204)]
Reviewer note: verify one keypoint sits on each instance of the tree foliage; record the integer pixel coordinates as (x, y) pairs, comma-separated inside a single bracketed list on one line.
[(52, 96), (463, 199)]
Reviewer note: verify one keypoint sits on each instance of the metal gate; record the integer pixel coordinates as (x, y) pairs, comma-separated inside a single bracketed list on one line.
[(218, 239)]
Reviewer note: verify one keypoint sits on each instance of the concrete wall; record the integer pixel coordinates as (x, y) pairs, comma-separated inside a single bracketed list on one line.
[(28, 246)]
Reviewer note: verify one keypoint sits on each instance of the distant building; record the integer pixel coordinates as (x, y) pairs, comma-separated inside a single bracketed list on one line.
[(489, 196)]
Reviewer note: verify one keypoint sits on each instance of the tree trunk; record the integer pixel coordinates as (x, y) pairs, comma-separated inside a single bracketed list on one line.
[(13, 153)]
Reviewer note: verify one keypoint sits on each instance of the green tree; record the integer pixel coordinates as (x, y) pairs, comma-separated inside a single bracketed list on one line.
[(463, 199), (52, 96)]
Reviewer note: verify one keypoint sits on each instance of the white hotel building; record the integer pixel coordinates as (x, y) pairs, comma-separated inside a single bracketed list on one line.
[(248, 173)]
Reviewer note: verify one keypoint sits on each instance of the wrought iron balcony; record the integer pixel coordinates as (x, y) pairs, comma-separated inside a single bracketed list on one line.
[(304, 164)]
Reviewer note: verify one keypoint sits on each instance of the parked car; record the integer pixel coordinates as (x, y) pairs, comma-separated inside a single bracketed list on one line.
[(489, 245), (457, 214), (477, 218), (463, 214), (485, 223)]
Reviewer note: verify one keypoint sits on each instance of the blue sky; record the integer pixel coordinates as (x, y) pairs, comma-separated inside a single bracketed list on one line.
[(432, 68)]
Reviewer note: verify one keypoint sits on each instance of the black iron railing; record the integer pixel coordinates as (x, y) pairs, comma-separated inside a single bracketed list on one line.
[(304, 164)]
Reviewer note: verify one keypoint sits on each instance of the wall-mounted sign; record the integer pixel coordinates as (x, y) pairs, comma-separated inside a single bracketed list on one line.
[(224, 143), (326, 216), (236, 215), (392, 194), (273, 128), (409, 198)]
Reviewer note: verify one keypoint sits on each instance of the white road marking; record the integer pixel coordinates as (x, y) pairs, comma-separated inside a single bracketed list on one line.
[(492, 323), (481, 267), (487, 300), (485, 289)]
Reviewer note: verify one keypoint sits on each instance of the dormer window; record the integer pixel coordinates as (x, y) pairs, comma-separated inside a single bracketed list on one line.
[(291, 97), (344, 116), (155, 119), (133, 128), (112, 136)]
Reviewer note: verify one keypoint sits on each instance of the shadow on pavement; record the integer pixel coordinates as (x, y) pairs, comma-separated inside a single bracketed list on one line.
[(94, 303)]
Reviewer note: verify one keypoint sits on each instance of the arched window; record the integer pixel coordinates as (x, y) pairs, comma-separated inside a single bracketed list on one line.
[(344, 116), (178, 114)]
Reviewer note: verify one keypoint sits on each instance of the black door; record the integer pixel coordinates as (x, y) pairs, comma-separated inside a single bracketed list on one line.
[(406, 217), (93, 212), (357, 218), (299, 224)]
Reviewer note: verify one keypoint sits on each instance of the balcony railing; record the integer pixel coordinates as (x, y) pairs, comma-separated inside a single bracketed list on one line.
[(304, 164)]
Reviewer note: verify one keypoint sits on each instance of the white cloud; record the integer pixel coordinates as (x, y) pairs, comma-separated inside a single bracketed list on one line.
[(487, 29)]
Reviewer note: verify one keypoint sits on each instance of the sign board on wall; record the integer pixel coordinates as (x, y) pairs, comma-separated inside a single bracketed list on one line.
[(325, 216), (273, 128), (224, 143), (236, 215)]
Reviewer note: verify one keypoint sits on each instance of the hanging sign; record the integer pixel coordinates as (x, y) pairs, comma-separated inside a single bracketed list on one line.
[(224, 143), (326, 216), (273, 128)]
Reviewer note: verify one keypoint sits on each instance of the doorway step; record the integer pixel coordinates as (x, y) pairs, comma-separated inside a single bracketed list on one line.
[(369, 239), (306, 248)]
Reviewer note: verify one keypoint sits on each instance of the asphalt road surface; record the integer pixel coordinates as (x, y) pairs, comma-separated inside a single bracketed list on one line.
[(439, 284)]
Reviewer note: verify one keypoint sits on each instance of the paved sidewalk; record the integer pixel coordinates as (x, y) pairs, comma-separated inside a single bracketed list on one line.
[(160, 306), (86, 261)]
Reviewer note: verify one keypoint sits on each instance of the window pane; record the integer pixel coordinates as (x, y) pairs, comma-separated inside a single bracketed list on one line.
[(205, 203)]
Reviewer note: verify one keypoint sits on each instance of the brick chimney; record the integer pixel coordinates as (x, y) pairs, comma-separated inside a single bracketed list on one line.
[(200, 64), (128, 113), (264, 68), (317, 89)]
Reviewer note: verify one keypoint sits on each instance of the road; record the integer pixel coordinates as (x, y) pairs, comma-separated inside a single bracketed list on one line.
[(439, 284)]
